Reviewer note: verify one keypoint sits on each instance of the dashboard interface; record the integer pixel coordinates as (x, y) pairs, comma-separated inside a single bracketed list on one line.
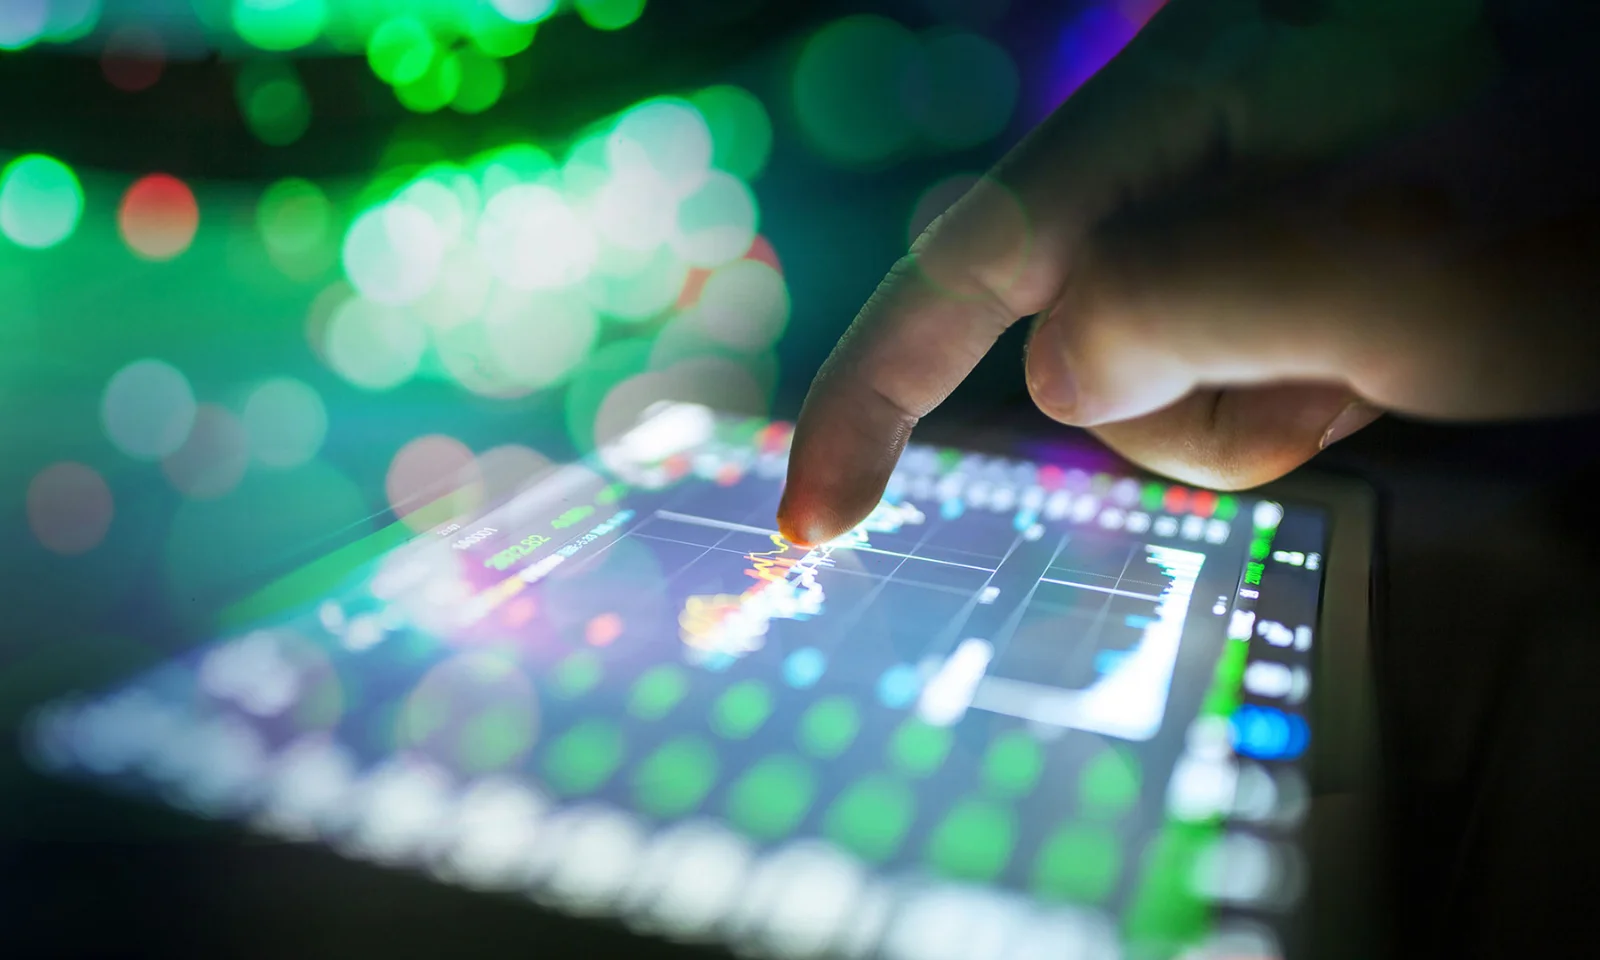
[(1022, 710)]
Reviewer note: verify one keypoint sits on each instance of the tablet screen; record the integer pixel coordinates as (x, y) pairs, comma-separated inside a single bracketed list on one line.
[(1025, 709)]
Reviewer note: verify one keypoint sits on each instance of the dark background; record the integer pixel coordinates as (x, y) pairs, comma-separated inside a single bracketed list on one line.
[(1486, 648)]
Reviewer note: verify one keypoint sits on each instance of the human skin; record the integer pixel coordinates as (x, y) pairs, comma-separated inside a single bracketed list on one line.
[(1241, 241)]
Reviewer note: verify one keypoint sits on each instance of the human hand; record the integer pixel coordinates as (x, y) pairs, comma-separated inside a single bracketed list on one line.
[(1242, 242)]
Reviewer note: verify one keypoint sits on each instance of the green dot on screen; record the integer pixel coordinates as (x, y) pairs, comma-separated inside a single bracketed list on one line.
[(828, 727), (609, 14), (499, 38), (401, 50), (657, 691), (849, 88), (772, 797), (40, 201), (1108, 785), (1227, 508), (577, 675), (483, 80), (871, 816), (672, 781), (741, 710), (584, 758), (495, 737), (919, 748), (1012, 765), (294, 216), (1150, 496), (741, 131), (1080, 862), (974, 841)]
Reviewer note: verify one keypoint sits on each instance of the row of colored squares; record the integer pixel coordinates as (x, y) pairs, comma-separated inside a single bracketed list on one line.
[(1056, 502), (871, 817)]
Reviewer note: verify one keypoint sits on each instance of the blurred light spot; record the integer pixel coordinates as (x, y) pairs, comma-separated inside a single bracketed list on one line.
[(158, 217), (798, 900), (392, 253), (936, 200), (481, 83), (40, 201), (213, 457), (427, 470), (744, 305), (295, 221), (401, 50), (69, 508), (635, 209), (147, 409), (279, 24), (473, 713), (603, 630), (442, 205), (537, 339), (286, 422), (21, 22), (404, 809), (598, 853), (850, 88), (494, 35), (1088, 43), (609, 14), (533, 240), (970, 92), (717, 222), (133, 58), (688, 879), (510, 166), (665, 136), (437, 86), (630, 285), (508, 469), (524, 11), (461, 291), (308, 789), (70, 20), (498, 828), (741, 131), (761, 250), (374, 346), (716, 382), (274, 103), (319, 316)]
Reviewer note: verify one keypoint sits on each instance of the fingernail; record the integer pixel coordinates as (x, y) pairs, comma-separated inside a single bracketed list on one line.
[(1353, 417), (1049, 380)]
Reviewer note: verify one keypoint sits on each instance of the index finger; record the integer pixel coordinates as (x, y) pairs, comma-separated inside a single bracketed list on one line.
[(1003, 252)]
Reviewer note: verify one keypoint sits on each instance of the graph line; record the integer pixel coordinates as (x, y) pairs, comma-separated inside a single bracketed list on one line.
[(715, 524), (1089, 586), (912, 556)]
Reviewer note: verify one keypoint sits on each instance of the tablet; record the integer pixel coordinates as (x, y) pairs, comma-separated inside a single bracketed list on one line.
[(1036, 705)]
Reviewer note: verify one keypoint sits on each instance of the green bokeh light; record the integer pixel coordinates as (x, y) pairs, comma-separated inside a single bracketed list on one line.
[(41, 201), (970, 92), (499, 38), (850, 88), (482, 82), (741, 131), (71, 20), (294, 216), (274, 103), (22, 22), (279, 25), (401, 50), (437, 86), (609, 14)]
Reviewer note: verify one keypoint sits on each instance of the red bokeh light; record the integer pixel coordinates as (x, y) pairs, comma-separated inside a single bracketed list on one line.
[(158, 217), (761, 249), (133, 59)]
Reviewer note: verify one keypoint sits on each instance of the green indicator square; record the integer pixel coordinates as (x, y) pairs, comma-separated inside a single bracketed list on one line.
[(948, 458), (1150, 496), (1260, 547), (829, 727), (1109, 785), (672, 781), (919, 748), (1012, 765), (741, 710), (584, 758), (1227, 508), (576, 675), (1080, 862), (974, 841), (1165, 910), (871, 817), (657, 691), (769, 801)]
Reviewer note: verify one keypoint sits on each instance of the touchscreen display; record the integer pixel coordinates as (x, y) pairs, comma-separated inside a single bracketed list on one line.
[(1025, 709)]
